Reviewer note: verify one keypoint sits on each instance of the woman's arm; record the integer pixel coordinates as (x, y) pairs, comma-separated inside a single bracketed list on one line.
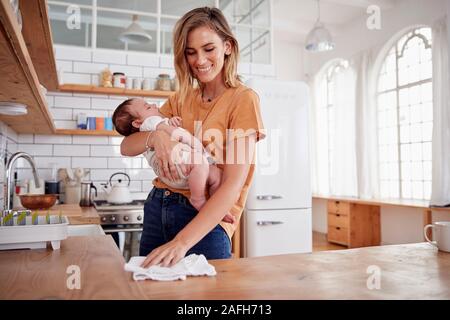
[(234, 176)]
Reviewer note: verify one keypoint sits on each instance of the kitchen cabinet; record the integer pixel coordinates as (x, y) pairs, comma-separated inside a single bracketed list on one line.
[(20, 82), (353, 225)]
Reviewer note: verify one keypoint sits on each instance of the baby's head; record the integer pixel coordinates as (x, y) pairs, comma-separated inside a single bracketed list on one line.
[(130, 114)]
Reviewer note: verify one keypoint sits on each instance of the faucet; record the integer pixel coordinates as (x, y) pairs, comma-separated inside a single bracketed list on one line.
[(8, 173)]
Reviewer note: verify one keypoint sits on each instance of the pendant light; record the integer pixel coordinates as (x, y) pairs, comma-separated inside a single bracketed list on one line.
[(319, 38), (135, 33)]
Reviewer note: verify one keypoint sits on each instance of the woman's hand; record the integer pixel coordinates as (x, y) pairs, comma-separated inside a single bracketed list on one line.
[(175, 121), (167, 153), (166, 255)]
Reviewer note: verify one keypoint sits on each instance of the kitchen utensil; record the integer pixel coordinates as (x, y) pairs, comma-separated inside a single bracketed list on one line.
[(79, 173), (37, 201), (73, 193), (86, 199), (441, 234), (70, 174), (120, 191)]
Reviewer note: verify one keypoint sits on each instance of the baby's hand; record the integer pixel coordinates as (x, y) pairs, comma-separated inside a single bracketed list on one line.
[(175, 121)]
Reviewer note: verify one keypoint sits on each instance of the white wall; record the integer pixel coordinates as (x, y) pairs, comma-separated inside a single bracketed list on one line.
[(288, 58), (397, 225)]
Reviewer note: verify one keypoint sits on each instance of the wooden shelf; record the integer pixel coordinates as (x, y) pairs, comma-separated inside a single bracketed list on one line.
[(87, 132), (20, 82), (37, 34), (82, 88)]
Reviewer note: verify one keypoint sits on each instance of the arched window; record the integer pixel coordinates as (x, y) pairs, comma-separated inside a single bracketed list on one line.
[(405, 118), (326, 124)]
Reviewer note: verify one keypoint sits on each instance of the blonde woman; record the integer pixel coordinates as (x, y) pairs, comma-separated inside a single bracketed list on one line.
[(224, 114)]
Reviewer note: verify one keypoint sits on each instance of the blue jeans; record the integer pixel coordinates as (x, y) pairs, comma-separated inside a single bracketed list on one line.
[(165, 214)]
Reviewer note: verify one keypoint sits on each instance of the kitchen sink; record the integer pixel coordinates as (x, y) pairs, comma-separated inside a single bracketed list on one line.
[(84, 230)]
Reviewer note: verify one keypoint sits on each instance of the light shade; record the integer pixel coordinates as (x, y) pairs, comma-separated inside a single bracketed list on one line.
[(319, 39), (12, 108), (134, 33)]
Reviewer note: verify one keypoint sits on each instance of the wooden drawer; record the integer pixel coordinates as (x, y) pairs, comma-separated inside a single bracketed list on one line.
[(339, 207), (338, 235), (338, 220)]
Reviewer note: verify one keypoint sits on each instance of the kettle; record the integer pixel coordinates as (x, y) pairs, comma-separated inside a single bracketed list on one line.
[(119, 193)]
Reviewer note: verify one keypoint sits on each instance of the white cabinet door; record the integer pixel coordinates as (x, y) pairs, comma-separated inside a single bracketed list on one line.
[(272, 232)]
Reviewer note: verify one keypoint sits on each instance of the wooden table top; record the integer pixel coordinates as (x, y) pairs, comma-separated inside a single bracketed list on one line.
[(411, 271), (75, 213)]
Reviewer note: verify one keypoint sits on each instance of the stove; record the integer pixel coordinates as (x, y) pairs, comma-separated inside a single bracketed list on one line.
[(118, 214)]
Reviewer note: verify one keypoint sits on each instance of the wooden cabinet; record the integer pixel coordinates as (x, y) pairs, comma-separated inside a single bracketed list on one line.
[(353, 225)]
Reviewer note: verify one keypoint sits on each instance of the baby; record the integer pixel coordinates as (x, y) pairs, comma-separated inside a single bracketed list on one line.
[(136, 114)]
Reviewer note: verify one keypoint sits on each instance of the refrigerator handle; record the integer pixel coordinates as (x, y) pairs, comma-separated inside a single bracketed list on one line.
[(268, 197), (268, 223)]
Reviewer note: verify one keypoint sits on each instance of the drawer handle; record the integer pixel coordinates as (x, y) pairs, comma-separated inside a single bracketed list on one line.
[(268, 223), (338, 228), (338, 215), (337, 202)]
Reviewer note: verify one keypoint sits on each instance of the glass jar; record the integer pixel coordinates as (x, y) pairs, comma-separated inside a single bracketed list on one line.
[(163, 82), (119, 80)]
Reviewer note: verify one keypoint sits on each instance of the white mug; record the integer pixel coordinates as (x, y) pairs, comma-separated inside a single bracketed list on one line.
[(441, 234)]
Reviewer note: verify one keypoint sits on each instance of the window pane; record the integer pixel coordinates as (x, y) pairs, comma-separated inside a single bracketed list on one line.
[(167, 26), (426, 92), (67, 29), (427, 190), (178, 8), (406, 189), (243, 35), (405, 151), (147, 6), (417, 190), (426, 151), (406, 170), (260, 46), (416, 151), (110, 25), (416, 170), (427, 170)]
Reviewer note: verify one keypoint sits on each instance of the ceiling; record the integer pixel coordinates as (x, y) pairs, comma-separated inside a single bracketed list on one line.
[(293, 19)]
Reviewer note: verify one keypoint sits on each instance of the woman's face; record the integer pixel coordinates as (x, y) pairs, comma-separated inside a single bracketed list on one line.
[(205, 53)]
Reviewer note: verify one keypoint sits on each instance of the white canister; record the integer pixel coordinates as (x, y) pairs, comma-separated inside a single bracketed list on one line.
[(137, 84), (73, 193), (118, 80), (146, 84), (129, 83)]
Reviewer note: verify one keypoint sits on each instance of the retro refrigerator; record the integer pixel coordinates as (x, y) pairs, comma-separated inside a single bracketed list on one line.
[(277, 217)]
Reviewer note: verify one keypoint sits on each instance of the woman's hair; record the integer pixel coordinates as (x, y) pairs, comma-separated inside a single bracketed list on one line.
[(214, 19), (122, 118)]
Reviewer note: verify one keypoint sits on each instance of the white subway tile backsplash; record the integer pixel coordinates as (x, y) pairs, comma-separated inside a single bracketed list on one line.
[(141, 174), (27, 174), (47, 162), (153, 72), (61, 113), (143, 60), (90, 140), (166, 61), (90, 113), (71, 150), (124, 163), (65, 124), (78, 78), (102, 174), (64, 65), (116, 141), (73, 102), (52, 139), (72, 53), (105, 151), (130, 71), (108, 104), (109, 56), (90, 163), (147, 185), (87, 67), (135, 186), (25, 138), (50, 100), (37, 149), (59, 94)]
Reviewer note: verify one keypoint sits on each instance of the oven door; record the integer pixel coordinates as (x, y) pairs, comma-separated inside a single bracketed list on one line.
[(127, 237)]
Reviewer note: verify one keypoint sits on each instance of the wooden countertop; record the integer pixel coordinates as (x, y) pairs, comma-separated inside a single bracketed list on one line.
[(411, 271), (75, 213)]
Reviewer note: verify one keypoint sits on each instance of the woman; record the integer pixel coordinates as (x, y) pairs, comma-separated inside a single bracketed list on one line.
[(224, 115)]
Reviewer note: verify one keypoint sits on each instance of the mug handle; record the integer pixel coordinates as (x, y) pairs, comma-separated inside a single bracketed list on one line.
[(425, 234)]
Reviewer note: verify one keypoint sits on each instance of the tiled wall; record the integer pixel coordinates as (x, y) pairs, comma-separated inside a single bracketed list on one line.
[(100, 154)]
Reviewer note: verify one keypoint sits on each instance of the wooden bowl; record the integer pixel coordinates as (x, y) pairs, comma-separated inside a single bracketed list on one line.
[(37, 201)]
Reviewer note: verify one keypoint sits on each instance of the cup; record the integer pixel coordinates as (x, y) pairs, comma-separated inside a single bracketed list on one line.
[(441, 234), (81, 121), (51, 187), (146, 84), (129, 83), (99, 123), (108, 123), (91, 123)]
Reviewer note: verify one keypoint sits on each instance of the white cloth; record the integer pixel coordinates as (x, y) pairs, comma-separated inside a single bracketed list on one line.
[(440, 193), (152, 122), (192, 265)]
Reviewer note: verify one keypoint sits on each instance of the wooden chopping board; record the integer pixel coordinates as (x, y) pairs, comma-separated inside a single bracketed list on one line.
[(75, 213)]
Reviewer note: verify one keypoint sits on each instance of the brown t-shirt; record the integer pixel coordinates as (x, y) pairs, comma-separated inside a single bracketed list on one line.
[(233, 114)]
